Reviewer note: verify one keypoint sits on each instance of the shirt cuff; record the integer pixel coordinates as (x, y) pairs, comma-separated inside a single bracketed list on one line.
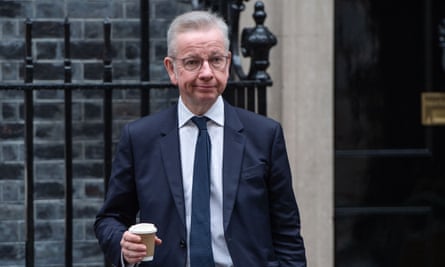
[(124, 264)]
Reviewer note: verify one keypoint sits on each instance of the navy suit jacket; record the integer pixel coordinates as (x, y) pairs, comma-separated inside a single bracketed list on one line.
[(260, 214)]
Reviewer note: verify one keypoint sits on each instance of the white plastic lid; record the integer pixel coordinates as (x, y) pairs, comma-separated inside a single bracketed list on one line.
[(143, 228)]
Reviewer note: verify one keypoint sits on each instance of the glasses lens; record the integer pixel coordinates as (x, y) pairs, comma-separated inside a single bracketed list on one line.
[(193, 64), (218, 63)]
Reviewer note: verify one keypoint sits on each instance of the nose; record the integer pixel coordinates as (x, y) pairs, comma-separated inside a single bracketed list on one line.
[(206, 71)]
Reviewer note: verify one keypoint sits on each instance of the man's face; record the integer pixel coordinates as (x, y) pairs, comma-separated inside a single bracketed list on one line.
[(200, 69)]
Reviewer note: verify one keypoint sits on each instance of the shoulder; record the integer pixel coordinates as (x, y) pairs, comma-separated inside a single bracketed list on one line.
[(152, 125), (251, 119)]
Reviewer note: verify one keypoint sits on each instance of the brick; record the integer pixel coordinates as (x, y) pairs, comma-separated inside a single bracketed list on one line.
[(12, 212), (10, 71), (49, 253), (160, 51), (47, 50), (88, 94), (9, 111), (52, 9), (94, 150), (88, 130), (49, 71), (11, 131), (166, 9), (87, 251), (158, 28), (133, 94), (87, 50), (10, 29), (14, 49), (49, 94), (126, 29), (49, 230), (10, 9), (11, 171), (88, 170), (12, 191), (12, 152), (132, 49), (96, 9), (49, 210), (93, 71), (126, 110), (53, 111), (89, 228), (49, 190), (12, 253), (94, 29), (79, 230), (132, 10), (86, 210), (49, 151), (9, 231), (47, 29), (126, 71), (50, 131), (93, 111), (76, 28), (95, 189), (12, 95), (50, 171)]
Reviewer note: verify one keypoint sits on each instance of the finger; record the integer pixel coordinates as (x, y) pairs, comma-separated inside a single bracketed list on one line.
[(132, 250), (133, 257), (127, 236)]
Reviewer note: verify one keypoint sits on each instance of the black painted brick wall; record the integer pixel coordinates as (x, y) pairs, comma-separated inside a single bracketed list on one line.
[(86, 19)]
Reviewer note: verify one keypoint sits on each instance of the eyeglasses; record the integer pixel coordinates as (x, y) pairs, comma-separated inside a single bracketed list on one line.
[(195, 63)]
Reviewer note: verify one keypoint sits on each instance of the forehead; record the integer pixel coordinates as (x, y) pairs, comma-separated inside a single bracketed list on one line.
[(200, 42)]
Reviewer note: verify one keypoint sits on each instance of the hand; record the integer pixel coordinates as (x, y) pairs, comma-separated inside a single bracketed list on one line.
[(133, 249)]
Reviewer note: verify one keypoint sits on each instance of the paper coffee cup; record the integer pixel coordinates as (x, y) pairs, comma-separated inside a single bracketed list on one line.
[(147, 232)]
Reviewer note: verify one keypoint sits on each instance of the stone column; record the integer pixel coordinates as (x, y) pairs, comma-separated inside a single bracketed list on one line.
[(301, 67)]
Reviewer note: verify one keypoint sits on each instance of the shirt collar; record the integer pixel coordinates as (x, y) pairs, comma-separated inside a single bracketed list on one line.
[(215, 113)]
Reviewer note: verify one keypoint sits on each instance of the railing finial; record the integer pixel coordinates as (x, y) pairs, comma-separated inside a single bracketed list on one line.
[(256, 43)]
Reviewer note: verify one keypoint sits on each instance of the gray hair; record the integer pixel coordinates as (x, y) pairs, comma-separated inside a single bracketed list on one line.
[(192, 21)]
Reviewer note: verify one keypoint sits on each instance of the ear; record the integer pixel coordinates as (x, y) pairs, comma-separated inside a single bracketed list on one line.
[(168, 64), (229, 62)]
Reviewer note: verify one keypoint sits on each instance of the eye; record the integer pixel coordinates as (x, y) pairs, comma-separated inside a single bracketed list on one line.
[(191, 63), (217, 61)]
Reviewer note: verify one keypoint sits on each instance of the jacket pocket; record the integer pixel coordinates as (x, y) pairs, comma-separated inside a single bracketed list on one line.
[(257, 171)]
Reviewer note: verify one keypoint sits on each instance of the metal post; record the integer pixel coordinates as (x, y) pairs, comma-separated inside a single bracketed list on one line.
[(29, 149), (107, 105), (68, 151), (145, 54)]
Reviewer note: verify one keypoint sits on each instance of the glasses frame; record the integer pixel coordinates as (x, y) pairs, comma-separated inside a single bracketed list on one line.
[(202, 60)]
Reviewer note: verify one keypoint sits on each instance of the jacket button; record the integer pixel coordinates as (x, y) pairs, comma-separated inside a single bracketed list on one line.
[(182, 244)]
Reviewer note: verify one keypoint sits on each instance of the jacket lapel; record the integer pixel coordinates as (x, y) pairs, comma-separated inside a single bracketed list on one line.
[(171, 160), (232, 160)]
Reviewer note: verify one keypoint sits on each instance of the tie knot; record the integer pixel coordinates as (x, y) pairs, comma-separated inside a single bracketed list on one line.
[(201, 122)]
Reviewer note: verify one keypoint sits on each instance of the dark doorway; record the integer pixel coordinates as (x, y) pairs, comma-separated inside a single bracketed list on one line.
[(389, 167)]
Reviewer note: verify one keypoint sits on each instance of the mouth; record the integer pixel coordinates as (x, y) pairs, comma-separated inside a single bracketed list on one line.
[(205, 87)]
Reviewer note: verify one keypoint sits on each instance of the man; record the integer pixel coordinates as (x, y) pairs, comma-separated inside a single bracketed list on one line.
[(254, 219)]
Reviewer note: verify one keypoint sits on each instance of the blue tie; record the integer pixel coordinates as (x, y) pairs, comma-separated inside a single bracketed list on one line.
[(200, 239)]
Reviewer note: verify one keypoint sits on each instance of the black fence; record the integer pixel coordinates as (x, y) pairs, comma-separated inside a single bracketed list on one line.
[(244, 90)]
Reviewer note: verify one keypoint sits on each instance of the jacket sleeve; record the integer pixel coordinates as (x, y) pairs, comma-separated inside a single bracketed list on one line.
[(120, 207), (285, 219)]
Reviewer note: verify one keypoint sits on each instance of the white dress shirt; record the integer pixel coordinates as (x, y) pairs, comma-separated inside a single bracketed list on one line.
[(188, 133)]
